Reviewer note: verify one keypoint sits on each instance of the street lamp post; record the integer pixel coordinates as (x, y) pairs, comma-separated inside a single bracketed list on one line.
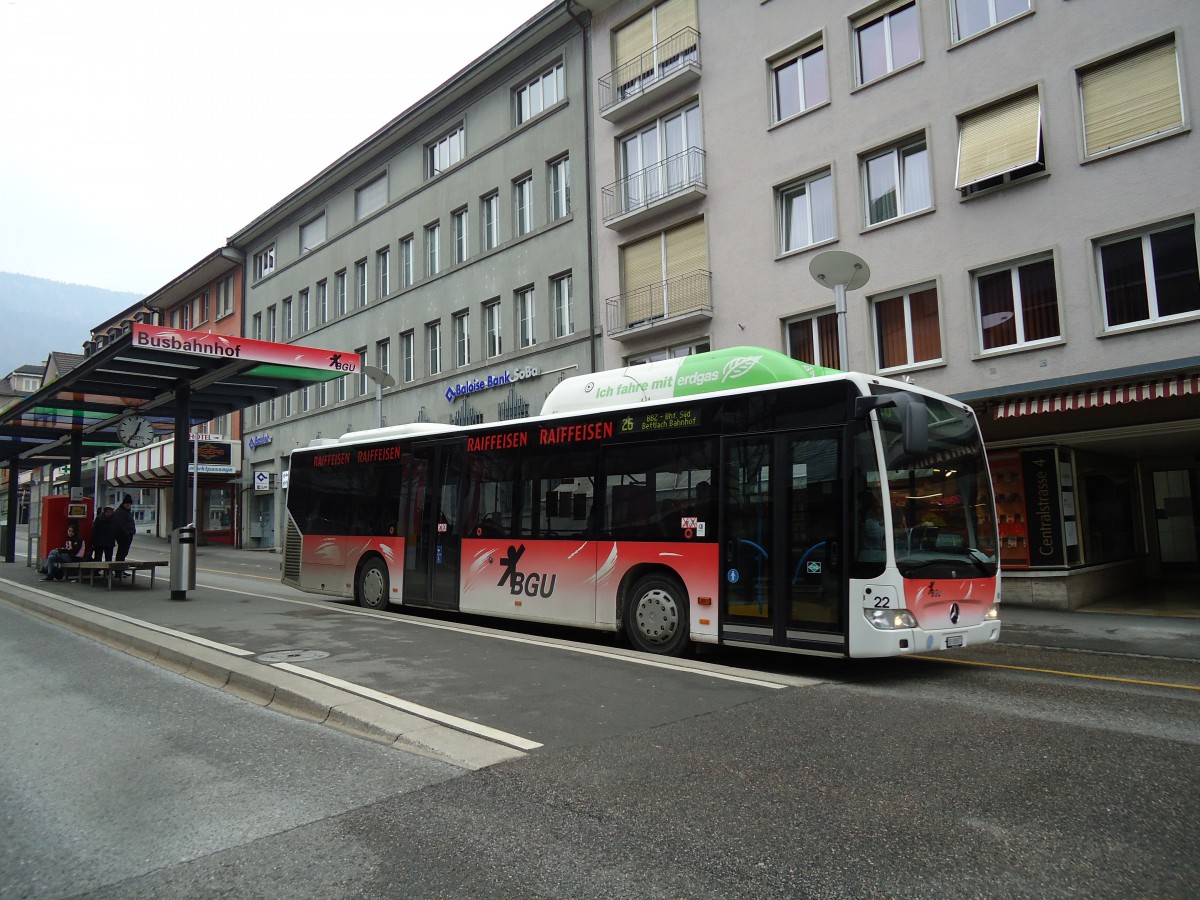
[(382, 380), (840, 271)]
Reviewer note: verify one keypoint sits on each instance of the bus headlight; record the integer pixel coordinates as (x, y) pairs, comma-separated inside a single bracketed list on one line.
[(890, 619), (992, 614)]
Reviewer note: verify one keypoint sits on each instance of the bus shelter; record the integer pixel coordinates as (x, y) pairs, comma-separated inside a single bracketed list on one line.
[(153, 381)]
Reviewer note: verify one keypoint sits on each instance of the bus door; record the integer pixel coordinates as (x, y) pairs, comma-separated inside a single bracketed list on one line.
[(430, 509), (781, 540)]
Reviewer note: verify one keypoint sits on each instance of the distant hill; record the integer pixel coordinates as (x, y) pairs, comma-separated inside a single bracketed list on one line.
[(38, 315)]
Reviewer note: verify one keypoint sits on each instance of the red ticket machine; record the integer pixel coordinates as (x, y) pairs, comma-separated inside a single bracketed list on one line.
[(59, 511)]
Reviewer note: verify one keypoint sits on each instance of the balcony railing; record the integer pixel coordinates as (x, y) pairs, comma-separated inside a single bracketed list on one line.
[(681, 50), (672, 176), (683, 295)]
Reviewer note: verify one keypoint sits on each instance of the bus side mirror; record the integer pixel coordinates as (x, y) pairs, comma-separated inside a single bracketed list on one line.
[(913, 415)]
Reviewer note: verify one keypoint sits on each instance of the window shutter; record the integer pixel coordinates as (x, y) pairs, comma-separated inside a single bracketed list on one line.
[(642, 274), (999, 139), (633, 40), (674, 16), (370, 197), (1135, 97), (687, 255)]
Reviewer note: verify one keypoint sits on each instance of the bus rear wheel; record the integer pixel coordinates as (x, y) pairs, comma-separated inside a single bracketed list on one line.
[(656, 616), (373, 585)]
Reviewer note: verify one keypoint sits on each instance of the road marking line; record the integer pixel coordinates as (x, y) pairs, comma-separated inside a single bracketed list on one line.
[(424, 712), (480, 631), (971, 662)]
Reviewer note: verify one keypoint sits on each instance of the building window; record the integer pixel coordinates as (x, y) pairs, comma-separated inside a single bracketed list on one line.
[(312, 234), (406, 262), (287, 403), (1149, 276), (202, 308), (491, 329), (806, 213), (1130, 99), (225, 296), (799, 82), (564, 306), (272, 334), (360, 282), (322, 302), (264, 262), (907, 328), (896, 182), (370, 197), (461, 245), (362, 372), (661, 158), (342, 388), (462, 339), (1017, 303), (304, 399), (323, 394), (526, 331), (560, 188), (1000, 144), (433, 346), (446, 151), (539, 94), (433, 250), (406, 356), (653, 46), (383, 355), (287, 319), (523, 203), (339, 289), (973, 16), (815, 340), (302, 309), (679, 350), (664, 275), (490, 208), (887, 41), (256, 327), (382, 273)]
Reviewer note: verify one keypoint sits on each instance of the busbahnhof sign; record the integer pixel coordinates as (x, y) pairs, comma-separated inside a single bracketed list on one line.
[(174, 378)]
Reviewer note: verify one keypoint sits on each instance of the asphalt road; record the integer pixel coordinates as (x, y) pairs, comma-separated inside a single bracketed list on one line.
[(1022, 770)]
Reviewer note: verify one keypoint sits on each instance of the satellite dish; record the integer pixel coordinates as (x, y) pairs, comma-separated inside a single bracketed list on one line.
[(837, 267)]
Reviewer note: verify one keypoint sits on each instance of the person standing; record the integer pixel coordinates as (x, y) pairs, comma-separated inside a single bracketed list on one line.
[(104, 536), (125, 526)]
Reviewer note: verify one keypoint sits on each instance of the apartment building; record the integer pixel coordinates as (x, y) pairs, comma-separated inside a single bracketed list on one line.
[(450, 251), (1019, 178)]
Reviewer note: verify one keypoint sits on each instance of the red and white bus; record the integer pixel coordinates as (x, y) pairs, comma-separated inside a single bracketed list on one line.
[(733, 497)]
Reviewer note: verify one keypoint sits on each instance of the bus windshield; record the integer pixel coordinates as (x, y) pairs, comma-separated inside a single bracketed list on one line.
[(941, 503)]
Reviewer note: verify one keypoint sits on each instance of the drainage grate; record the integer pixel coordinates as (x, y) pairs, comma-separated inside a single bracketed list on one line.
[(277, 656)]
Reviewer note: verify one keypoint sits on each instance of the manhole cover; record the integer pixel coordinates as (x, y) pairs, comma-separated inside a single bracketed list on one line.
[(291, 656)]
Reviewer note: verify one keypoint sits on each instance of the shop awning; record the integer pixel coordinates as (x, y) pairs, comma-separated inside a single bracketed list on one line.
[(1095, 396)]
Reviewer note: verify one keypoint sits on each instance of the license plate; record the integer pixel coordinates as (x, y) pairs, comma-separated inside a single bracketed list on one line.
[(954, 640)]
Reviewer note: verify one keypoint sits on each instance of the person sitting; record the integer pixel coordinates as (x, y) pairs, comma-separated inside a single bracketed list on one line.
[(72, 551)]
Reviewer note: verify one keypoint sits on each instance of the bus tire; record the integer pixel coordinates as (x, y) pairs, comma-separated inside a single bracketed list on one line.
[(373, 585), (656, 616)]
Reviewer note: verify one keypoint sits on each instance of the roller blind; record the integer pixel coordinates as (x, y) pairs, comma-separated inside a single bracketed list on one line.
[(642, 275), (674, 16), (633, 40), (687, 249), (999, 139), (1134, 97), (370, 197)]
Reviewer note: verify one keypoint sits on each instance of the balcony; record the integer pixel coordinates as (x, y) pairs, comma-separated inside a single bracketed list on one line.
[(673, 182), (674, 302), (634, 85)]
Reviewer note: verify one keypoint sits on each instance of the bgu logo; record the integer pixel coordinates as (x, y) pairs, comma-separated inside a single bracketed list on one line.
[(531, 584), (335, 362)]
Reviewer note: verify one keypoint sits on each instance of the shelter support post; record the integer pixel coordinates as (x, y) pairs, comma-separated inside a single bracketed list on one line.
[(14, 495), (180, 504)]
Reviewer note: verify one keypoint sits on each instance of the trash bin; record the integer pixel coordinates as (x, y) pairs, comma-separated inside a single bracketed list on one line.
[(183, 559)]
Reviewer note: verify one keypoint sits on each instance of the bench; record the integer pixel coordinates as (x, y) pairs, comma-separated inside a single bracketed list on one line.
[(108, 568)]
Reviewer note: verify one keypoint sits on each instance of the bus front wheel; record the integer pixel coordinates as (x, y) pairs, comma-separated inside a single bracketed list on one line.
[(373, 585), (656, 616)]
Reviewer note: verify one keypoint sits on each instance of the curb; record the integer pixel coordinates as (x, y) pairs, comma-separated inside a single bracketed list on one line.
[(264, 685)]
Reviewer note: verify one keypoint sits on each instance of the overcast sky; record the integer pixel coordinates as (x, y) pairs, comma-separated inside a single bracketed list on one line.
[(137, 135)]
